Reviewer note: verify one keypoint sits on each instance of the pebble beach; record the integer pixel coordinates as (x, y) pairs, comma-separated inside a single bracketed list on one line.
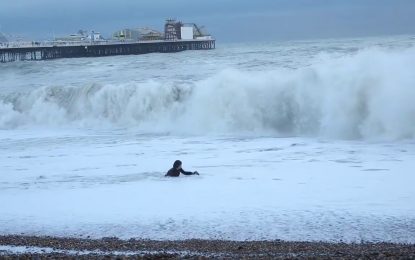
[(32, 247)]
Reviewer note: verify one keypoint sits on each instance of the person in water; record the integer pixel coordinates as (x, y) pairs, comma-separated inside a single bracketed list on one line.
[(177, 169)]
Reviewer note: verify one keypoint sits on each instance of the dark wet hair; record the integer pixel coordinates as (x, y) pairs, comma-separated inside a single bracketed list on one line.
[(177, 163)]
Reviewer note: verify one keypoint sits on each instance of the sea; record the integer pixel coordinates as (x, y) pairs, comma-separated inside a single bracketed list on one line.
[(308, 140)]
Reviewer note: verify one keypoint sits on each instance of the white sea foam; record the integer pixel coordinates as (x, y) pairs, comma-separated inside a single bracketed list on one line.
[(85, 143)]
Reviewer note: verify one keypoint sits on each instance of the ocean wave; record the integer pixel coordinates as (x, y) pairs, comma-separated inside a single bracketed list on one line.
[(369, 94)]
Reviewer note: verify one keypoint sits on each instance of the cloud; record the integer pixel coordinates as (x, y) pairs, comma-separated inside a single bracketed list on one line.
[(228, 20)]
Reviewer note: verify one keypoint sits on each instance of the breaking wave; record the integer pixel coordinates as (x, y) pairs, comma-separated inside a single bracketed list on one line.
[(370, 94)]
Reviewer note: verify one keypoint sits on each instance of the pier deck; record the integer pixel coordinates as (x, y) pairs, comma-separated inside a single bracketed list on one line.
[(55, 50)]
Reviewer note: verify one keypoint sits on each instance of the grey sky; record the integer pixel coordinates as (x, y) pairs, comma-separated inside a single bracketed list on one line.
[(237, 20)]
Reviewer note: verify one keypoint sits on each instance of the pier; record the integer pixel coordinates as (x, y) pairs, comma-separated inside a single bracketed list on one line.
[(177, 37), (54, 50)]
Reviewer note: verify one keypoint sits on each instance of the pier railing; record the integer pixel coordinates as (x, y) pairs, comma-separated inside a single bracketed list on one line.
[(37, 44)]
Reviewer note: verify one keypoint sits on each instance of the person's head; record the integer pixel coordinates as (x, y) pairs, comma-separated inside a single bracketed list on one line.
[(177, 164)]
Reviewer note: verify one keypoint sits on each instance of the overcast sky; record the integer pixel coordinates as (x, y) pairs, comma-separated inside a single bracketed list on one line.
[(227, 20)]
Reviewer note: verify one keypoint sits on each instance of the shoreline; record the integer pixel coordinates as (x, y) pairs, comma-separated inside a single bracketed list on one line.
[(44, 247)]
